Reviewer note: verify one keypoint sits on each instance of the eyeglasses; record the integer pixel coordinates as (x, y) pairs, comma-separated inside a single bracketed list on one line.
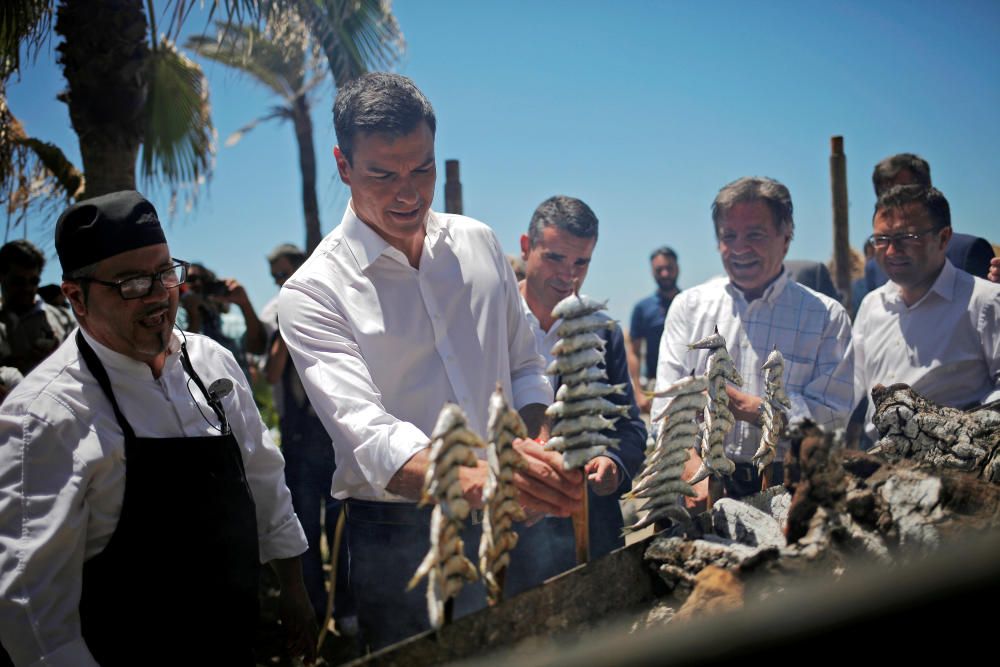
[(905, 241), (140, 286), (280, 275)]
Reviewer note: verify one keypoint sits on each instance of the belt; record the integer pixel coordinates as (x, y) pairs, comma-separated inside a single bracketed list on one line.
[(403, 513)]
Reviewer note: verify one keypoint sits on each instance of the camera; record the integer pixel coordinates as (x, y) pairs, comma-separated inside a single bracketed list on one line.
[(215, 288)]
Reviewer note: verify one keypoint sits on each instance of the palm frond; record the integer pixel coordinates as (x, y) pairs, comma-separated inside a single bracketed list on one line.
[(283, 113), (178, 145), (355, 35), (273, 64), (22, 21), (36, 178)]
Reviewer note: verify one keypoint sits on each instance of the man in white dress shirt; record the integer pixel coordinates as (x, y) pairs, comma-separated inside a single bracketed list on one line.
[(757, 307), (136, 505), (398, 311), (932, 326)]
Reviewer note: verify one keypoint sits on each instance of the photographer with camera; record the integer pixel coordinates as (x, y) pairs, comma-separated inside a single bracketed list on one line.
[(207, 298)]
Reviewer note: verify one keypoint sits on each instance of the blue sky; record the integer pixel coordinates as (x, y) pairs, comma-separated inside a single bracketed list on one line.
[(642, 109)]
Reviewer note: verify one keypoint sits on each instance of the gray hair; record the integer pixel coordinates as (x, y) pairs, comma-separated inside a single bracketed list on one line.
[(566, 213), (756, 188)]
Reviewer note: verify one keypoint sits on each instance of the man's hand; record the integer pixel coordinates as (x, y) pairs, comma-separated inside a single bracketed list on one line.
[(603, 475), (295, 611), (994, 273), (235, 293), (699, 502), (543, 486), (643, 401), (745, 407)]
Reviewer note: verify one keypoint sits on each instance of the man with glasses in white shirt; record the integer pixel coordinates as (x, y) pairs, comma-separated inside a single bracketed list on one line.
[(399, 310), (757, 307), (139, 489), (932, 326)]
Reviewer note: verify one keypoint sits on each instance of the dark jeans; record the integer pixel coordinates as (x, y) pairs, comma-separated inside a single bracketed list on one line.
[(745, 480), (387, 542), (309, 467)]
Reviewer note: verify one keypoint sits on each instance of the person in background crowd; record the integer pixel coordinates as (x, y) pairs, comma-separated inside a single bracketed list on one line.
[(932, 326), (814, 275), (646, 326), (556, 251), (309, 456), (30, 329), (139, 490), (398, 311), (969, 253), (52, 295), (757, 308), (207, 298)]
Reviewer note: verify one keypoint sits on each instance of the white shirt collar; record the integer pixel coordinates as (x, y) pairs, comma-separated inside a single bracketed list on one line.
[(367, 246), (943, 286), (771, 292), (125, 364)]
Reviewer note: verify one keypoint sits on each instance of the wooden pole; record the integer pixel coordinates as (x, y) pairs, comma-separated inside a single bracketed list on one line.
[(452, 188), (841, 235), (765, 478), (581, 527)]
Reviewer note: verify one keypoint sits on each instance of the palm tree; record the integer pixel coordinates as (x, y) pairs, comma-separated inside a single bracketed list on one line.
[(284, 60), (130, 89)]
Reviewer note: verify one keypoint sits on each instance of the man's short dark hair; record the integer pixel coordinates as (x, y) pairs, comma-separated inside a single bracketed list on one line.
[(756, 188), (379, 103), (22, 253), (289, 251), (888, 169), (566, 213), (663, 251), (931, 198)]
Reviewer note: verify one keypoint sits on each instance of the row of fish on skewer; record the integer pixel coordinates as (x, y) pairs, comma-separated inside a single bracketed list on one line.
[(660, 482), (454, 445), (580, 413), (582, 409)]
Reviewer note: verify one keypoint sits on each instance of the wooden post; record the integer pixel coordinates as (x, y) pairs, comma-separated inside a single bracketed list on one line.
[(581, 526), (841, 236), (452, 188)]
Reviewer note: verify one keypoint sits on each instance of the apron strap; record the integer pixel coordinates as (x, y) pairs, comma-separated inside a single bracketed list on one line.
[(97, 370)]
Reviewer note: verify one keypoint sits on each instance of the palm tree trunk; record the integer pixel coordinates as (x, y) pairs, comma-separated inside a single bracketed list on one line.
[(307, 165), (104, 56)]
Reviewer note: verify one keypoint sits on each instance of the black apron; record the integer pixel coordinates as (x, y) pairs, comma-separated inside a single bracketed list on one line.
[(177, 582)]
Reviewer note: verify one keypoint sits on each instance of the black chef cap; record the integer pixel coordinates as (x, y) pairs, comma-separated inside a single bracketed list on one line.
[(102, 227)]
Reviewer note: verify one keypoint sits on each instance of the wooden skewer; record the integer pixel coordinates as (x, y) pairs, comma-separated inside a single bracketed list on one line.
[(501, 578), (581, 527), (338, 534), (449, 611)]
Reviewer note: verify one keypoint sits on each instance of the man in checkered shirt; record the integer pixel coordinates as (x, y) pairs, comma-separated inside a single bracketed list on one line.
[(757, 307)]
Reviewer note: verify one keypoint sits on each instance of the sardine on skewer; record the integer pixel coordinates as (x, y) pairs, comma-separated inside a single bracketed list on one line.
[(660, 481), (772, 416), (500, 506), (576, 306), (445, 565)]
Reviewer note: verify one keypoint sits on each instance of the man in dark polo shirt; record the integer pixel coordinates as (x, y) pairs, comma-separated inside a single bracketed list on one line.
[(647, 320)]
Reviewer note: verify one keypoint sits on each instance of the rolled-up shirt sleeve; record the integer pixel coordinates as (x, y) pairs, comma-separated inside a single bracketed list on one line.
[(367, 439)]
